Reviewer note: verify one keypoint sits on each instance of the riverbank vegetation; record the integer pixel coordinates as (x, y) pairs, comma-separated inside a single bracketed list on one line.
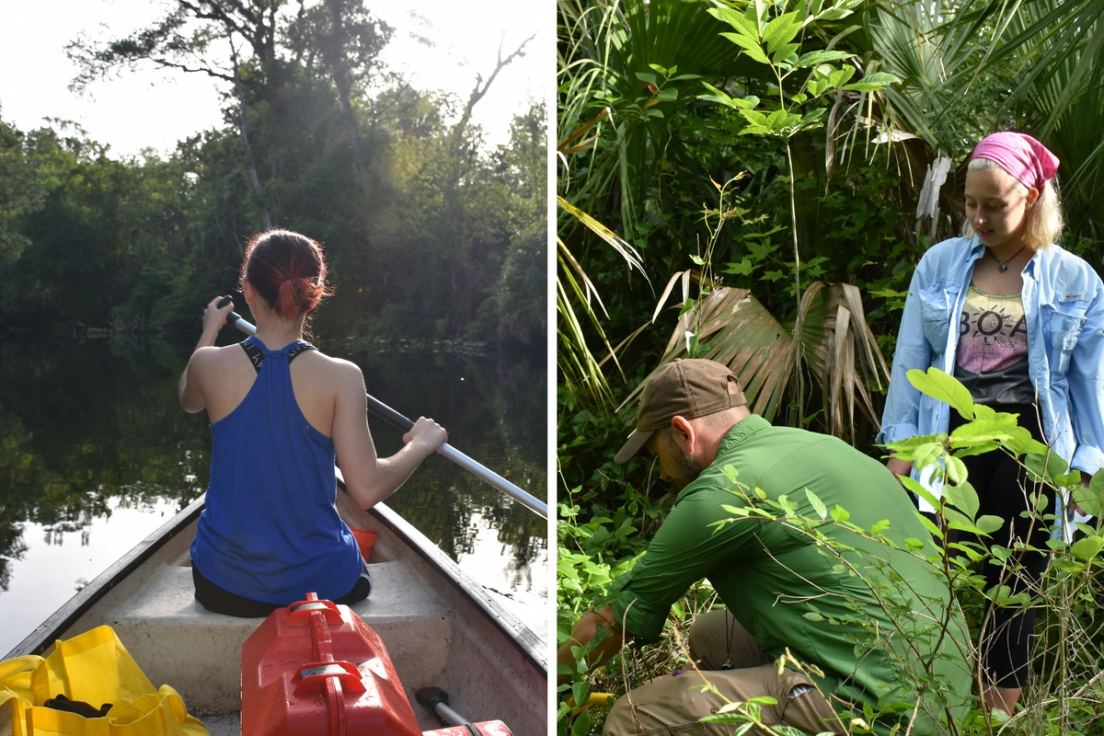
[(796, 160), (432, 232)]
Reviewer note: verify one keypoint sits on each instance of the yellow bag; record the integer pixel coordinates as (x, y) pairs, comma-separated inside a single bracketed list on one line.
[(95, 668)]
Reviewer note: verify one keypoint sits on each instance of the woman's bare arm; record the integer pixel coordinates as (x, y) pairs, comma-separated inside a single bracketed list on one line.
[(369, 478), (190, 390), (899, 467)]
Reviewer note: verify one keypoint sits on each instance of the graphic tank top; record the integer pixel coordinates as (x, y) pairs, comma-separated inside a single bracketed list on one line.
[(270, 531), (991, 360)]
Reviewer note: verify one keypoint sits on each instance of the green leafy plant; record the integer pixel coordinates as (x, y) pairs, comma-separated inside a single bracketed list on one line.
[(770, 35), (1068, 674)]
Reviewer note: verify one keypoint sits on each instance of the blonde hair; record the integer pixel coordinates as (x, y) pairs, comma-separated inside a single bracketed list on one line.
[(1044, 218)]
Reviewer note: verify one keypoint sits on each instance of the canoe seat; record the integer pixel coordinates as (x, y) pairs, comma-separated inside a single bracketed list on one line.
[(205, 647)]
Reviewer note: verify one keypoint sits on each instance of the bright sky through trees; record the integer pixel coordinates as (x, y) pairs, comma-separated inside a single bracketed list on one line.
[(437, 45)]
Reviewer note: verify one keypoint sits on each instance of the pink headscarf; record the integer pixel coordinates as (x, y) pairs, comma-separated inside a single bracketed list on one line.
[(1020, 155)]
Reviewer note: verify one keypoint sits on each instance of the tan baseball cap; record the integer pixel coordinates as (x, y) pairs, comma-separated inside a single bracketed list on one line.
[(689, 388)]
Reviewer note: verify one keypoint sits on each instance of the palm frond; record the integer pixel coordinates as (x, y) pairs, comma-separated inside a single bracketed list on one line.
[(579, 370), (607, 51), (830, 340)]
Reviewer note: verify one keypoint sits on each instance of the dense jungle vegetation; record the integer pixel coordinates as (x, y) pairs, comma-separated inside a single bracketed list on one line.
[(794, 160), (431, 232)]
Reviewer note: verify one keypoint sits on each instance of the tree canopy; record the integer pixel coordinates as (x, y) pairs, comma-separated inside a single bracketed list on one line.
[(430, 232)]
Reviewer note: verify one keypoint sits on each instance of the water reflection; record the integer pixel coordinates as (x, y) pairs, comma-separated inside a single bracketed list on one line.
[(495, 413), (524, 584), (87, 429), (59, 563), (81, 425)]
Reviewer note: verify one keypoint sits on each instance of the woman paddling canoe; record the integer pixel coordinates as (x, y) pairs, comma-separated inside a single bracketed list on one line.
[(280, 412)]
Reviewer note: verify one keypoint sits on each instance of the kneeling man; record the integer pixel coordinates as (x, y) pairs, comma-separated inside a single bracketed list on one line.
[(866, 613)]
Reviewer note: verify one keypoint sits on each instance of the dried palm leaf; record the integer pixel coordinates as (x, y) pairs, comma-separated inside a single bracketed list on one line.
[(830, 341)]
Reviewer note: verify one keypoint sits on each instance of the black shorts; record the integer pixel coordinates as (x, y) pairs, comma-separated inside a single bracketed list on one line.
[(217, 599)]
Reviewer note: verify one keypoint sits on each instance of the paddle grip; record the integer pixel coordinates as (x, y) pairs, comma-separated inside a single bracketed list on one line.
[(435, 700), (430, 698), (234, 318)]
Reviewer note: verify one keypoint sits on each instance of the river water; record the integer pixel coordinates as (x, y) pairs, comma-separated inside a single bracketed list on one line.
[(95, 454)]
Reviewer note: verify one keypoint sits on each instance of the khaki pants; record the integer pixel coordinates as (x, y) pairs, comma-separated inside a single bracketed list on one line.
[(673, 705)]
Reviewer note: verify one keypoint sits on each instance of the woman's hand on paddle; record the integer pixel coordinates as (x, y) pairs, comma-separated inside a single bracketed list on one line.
[(214, 318), (427, 433), (369, 478)]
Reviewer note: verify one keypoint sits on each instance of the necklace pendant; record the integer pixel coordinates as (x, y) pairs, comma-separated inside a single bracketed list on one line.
[(1003, 267)]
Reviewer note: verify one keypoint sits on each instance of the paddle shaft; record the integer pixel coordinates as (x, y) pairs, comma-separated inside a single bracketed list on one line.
[(397, 420)]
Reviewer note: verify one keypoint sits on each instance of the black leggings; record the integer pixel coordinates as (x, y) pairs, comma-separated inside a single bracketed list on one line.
[(1004, 490), (217, 599)]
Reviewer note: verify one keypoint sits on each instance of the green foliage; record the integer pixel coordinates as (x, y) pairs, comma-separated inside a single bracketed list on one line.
[(642, 158), (20, 192), (775, 42), (705, 153), (1067, 663), (706, 171), (769, 35), (430, 233), (645, 158), (515, 309)]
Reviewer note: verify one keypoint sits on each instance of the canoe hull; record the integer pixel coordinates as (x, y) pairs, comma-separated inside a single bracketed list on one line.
[(440, 628)]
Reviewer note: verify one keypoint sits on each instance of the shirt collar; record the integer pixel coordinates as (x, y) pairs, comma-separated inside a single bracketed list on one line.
[(743, 430), (977, 248), (977, 252)]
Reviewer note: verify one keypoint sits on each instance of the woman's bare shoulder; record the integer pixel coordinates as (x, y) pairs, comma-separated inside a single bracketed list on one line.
[(216, 357), (326, 368)]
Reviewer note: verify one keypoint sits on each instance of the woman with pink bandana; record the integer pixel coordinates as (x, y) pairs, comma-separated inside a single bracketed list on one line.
[(1020, 322)]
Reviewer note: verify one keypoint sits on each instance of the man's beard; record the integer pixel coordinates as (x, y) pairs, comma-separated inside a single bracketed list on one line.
[(685, 470)]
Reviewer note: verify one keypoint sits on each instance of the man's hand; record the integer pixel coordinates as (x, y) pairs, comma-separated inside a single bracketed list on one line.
[(581, 635)]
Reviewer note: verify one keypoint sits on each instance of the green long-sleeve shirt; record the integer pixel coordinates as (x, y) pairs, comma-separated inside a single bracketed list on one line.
[(786, 589)]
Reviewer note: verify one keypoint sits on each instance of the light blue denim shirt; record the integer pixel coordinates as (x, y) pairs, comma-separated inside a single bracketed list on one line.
[(1063, 301)]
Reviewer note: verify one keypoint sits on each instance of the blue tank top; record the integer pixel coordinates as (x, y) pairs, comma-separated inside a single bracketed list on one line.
[(270, 531)]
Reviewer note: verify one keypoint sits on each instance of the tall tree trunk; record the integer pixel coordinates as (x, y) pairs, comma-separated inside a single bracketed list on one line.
[(332, 50), (459, 159), (265, 217)]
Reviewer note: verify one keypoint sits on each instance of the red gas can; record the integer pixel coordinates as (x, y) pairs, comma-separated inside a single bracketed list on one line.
[(316, 668)]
